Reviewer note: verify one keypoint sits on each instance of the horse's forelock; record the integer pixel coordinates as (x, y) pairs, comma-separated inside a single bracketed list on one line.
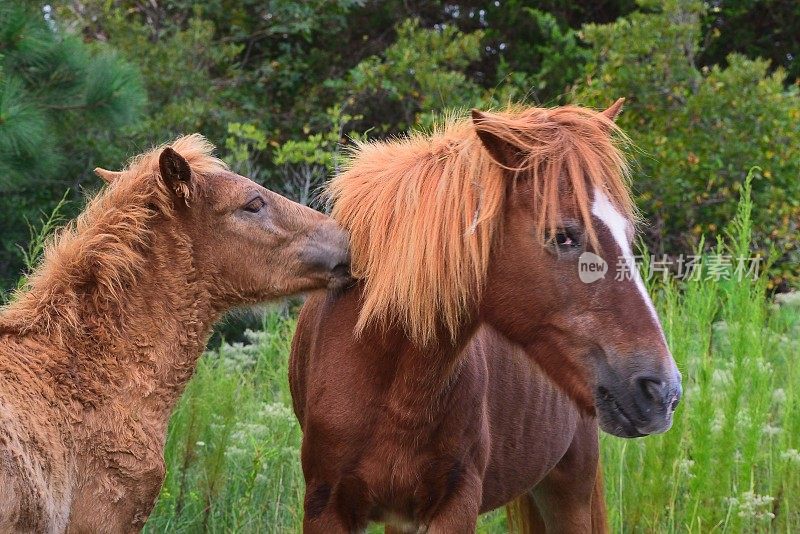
[(422, 211), (568, 149)]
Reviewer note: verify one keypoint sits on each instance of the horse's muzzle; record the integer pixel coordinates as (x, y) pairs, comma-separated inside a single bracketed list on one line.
[(638, 403)]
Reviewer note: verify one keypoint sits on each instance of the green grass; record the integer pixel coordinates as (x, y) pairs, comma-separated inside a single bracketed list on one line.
[(233, 448), (731, 462)]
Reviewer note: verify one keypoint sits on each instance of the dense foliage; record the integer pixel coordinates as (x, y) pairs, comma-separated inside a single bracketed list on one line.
[(700, 129), (280, 85), (61, 104)]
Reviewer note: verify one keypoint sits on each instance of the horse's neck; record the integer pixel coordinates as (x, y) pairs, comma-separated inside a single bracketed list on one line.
[(163, 339), (424, 377), (166, 325)]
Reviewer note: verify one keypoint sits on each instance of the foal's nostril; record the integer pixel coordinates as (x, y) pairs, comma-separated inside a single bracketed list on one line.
[(341, 270), (651, 388)]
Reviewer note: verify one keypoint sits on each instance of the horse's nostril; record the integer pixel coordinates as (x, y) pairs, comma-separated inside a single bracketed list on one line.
[(674, 404), (652, 389)]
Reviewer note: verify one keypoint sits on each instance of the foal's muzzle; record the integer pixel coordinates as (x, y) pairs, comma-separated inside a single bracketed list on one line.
[(637, 402), (327, 254)]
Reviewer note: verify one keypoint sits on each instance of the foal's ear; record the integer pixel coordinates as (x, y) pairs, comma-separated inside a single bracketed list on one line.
[(615, 109), (107, 176), (175, 172), (503, 152)]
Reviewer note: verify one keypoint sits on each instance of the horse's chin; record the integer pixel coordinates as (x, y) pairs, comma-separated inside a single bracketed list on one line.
[(340, 280), (613, 419)]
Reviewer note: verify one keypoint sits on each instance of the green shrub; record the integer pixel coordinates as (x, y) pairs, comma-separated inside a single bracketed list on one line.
[(62, 102), (699, 130)]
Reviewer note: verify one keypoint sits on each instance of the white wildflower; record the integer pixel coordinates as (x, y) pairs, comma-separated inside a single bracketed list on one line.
[(791, 456), (235, 453), (257, 337), (755, 506), (277, 410), (764, 366), (789, 299), (718, 422), (685, 466), (743, 420), (721, 377)]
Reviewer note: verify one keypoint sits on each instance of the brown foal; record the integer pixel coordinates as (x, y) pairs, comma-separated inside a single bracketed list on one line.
[(97, 349), (420, 390)]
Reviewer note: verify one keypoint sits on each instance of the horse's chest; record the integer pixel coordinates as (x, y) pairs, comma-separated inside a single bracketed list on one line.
[(413, 472)]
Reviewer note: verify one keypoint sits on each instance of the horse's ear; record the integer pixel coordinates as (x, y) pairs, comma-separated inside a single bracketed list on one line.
[(175, 172), (107, 176), (503, 152), (615, 109)]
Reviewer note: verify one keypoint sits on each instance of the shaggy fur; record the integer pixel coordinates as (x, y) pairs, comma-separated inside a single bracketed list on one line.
[(442, 195), (97, 348), (102, 251)]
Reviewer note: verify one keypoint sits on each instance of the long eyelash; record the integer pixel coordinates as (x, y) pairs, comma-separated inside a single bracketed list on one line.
[(255, 205)]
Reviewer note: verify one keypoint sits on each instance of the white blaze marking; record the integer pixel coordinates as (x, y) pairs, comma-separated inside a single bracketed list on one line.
[(603, 209)]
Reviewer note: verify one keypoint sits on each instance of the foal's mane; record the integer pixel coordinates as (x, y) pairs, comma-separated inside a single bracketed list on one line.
[(92, 261), (423, 210)]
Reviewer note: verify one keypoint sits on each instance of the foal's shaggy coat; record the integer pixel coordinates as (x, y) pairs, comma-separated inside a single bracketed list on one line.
[(98, 347)]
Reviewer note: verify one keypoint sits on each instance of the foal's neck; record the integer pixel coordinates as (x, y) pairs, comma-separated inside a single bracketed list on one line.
[(164, 327), (139, 350)]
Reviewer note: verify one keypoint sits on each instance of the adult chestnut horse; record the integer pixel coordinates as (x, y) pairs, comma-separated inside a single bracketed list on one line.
[(98, 348), (419, 400)]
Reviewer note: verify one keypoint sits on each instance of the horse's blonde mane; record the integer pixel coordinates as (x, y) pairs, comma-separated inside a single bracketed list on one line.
[(94, 258), (423, 211)]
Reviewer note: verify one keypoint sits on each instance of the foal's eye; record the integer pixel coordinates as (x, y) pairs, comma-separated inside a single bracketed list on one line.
[(255, 205)]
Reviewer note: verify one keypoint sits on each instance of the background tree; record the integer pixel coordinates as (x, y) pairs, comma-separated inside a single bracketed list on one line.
[(699, 130), (62, 103), (261, 79), (755, 28)]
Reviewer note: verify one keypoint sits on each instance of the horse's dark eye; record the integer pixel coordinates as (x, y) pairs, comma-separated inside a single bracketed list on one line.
[(566, 238), (254, 206), (563, 240)]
